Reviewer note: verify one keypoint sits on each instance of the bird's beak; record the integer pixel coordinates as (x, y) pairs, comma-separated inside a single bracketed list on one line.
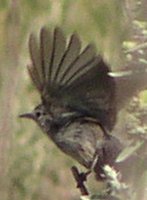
[(27, 115)]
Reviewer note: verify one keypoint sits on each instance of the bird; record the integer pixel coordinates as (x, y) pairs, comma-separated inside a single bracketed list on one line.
[(80, 98)]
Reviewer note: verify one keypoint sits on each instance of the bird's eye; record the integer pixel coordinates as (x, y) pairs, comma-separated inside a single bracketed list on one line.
[(38, 114)]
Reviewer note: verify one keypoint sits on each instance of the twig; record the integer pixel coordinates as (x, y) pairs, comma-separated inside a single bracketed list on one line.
[(80, 178), (138, 47)]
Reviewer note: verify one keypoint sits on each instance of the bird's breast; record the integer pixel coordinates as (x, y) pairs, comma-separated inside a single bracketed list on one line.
[(79, 141)]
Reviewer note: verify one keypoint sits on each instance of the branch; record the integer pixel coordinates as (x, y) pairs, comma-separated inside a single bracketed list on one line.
[(138, 47), (80, 178)]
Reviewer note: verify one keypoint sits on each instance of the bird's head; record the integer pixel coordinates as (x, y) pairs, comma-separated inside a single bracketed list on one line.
[(41, 116)]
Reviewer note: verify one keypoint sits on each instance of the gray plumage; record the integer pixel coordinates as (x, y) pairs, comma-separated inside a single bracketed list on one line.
[(80, 97)]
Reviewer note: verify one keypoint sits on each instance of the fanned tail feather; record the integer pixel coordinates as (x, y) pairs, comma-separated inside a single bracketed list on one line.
[(78, 78), (36, 59), (69, 56)]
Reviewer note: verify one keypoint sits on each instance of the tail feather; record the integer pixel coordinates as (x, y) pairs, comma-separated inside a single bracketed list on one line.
[(79, 79), (70, 55), (79, 64), (34, 76), (36, 58), (46, 46), (83, 70), (58, 52)]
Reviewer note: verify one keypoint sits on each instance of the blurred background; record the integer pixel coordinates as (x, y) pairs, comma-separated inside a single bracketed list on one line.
[(31, 167)]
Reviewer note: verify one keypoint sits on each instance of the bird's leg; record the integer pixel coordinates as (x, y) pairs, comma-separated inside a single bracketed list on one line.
[(95, 159)]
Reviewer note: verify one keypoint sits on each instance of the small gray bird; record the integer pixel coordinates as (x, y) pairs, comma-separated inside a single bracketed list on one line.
[(79, 98)]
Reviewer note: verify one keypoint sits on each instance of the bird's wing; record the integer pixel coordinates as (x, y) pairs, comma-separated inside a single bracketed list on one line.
[(77, 79)]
